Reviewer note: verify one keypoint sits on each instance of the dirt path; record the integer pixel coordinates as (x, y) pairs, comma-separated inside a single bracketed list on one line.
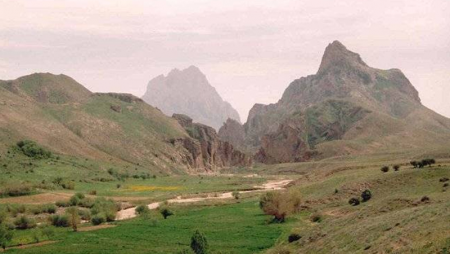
[(270, 185)]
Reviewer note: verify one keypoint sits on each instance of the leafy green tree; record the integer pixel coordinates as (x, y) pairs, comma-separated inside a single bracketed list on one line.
[(199, 244), (165, 212), (74, 217), (5, 236)]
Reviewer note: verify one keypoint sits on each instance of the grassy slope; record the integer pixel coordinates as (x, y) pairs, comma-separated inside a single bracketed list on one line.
[(63, 116), (393, 221)]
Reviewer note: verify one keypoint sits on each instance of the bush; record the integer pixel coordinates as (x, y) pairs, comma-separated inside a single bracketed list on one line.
[(74, 200), (62, 203), (414, 163), (199, 244), (87, 202), (60, 221), (23, 222), (74, 217), (107, 208), (236, 194), (354, 201), (385, 169), (142, 209), (98, 219), (165, 212), (366, 195), (425, 199), (428, 162), (396, 167), (294, 237), (93, 192), (84, 214), (33, 150)]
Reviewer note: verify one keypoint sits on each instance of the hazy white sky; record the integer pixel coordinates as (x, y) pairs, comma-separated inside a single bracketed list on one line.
[(249, 50)]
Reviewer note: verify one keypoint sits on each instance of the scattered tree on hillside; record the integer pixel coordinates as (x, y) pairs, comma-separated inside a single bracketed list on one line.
[(165, 212), (199, 244), (428, 162), (396, 167), (366, 195), (354, 201), (74, 217), (277, 204), (385, 169), (5, 236), (414, 164)]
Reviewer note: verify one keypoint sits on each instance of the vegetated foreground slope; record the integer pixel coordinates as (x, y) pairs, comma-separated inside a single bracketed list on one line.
[(62, 115), (346, 108), (188, 92)]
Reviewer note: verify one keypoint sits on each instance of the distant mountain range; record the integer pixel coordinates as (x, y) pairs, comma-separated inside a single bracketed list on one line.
[(346, 108), (188, 92)]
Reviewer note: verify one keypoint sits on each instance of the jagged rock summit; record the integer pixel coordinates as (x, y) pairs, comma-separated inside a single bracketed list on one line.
[(189, 92), (347, 107)]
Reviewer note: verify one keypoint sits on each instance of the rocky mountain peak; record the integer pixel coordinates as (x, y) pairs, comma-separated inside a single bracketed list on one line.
[(336, 54), (188, 92)]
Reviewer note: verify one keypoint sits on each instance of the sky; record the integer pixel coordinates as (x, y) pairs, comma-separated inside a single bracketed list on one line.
[(249, 50)]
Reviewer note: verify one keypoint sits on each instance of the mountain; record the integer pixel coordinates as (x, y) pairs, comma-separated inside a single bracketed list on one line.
[(188, 92), (346, 108), (63, 116)]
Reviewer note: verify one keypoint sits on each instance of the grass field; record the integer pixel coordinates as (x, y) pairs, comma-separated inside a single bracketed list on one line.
[(229, 228)]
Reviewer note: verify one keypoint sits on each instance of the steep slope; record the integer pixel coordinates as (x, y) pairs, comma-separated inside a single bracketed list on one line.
[(347, 107), (188, 92), (63, 116)]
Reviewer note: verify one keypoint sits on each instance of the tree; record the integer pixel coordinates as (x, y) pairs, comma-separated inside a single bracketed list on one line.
[(366, 195), (165, 212), (354, 201), (5, 236), (277, 204), (414, 164), (199, 244), (74, 217), (396, 167), (385, 169)]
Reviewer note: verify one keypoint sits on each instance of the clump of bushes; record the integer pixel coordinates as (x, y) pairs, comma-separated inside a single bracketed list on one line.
[(16, 190), (423, 163), (104, 208), (142, 209), (60, 220), (98, 219), (23, 222), (50, 208), (385, 169), (33, 150), (65, 184)]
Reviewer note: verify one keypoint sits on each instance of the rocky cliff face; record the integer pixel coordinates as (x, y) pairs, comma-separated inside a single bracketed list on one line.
[(189, 92), (234, 133), (346, 107), (205, 148)]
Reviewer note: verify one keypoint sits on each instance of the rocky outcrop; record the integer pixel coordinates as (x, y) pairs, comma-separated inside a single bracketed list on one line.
[(338, 110), (205, 148), (188, 92), (234, 133)]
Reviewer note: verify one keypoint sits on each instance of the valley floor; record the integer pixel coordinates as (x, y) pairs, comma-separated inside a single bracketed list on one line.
[(408, 213)]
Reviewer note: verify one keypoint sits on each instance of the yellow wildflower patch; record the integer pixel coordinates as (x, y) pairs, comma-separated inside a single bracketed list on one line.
[(153, 188)]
